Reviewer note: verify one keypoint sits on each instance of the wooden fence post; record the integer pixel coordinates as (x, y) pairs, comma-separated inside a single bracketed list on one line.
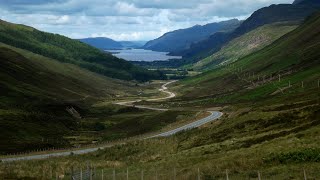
[(199, 177), (90, 173), (227, 174), (102, 174), (127, 173), (114, 174), (141, 174), (279, 78), (304, 174), (72, 173), (156, 174), (259, 176)]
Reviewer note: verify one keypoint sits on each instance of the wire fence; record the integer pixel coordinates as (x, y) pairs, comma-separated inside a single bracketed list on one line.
[(279, 79), (177, 174)]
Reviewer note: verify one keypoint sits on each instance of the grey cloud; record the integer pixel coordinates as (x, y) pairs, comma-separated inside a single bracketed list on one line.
[(122, 19)]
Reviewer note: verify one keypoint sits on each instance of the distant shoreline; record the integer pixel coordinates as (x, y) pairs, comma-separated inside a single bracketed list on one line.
[(133, 54)]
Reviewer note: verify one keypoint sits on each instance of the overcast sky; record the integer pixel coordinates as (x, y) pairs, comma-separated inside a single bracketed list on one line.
[(124, 19)]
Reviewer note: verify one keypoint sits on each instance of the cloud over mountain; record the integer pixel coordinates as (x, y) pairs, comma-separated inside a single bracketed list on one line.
[(124, 19)]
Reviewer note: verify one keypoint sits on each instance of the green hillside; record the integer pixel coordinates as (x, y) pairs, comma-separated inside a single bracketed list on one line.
[(71, 51), (261, 17), (269, 129), (293, 57), (35, 93), (245, 44)]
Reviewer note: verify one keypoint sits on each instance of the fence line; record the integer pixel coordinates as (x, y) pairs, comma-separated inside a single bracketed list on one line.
[(167, 174)]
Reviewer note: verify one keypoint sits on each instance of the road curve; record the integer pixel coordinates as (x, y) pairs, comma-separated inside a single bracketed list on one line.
[(162, 89), (214, 116)]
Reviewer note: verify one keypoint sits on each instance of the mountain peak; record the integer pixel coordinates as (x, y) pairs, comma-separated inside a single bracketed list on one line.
[(306, 2), (179, 40)]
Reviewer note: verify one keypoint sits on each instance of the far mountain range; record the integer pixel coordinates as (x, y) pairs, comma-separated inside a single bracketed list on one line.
[(107, 43), (177, 40)]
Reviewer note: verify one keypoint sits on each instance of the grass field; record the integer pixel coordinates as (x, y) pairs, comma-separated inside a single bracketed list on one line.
[(278, 141)]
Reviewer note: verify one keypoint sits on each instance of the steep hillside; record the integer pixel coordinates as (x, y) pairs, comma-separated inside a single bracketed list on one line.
[(245, 44), (267, 15), (71, 51), (102, 43), (180, 40), (306, 2), (294, 57), (35, 94)]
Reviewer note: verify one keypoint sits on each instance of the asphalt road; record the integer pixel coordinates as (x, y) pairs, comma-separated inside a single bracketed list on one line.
[(162, 89), (214, 116)]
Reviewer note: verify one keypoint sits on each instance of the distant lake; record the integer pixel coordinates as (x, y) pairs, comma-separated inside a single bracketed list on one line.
[(142, 55)]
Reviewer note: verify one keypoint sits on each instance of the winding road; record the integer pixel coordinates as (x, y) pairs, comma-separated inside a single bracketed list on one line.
[(214, 115), (162, 89)]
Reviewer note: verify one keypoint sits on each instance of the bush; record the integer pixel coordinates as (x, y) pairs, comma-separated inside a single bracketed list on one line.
[(305, 155)]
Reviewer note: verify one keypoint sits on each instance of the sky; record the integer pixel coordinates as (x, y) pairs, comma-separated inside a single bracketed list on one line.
[(128, 20)]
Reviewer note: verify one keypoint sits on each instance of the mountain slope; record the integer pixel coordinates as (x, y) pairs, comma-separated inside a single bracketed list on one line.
[(71, 51), (35, 94), (307, 2), (295, 57), (267, 15), (107, 43), (245, 44), (102, 43), (132, 44), (179, 40)]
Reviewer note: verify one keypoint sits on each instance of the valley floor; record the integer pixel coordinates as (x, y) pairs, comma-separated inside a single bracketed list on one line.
[(278, 141), (213, 115)]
